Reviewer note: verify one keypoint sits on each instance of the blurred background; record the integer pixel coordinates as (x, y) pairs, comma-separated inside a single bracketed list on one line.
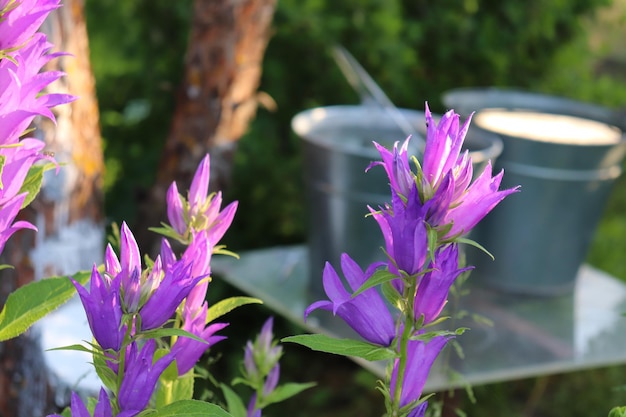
[(415, 50)]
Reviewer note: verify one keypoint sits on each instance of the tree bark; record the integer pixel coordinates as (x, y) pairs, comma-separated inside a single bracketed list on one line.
[(67, 212), (217, 98)]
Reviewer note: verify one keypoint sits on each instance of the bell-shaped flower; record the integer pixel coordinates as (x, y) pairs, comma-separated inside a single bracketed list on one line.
[(434, 286), (187, 350), (366, 313), (261, 356), (420, 358), (17, 162), (8, 212), (20, 20), (201, 211), (478, 200), (198, 255), (21, 84), (444, 142), (396, 164), (141, 375), (176, 284), (405, 233), (102, 409), (102, 305), (450, 199)]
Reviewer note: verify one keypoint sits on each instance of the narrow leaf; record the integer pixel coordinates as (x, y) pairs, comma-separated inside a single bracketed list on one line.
[(167, 231), (285, 391), (77, 348), (345, 347), (379, 277), (189, 408), (104, 372), (33, 301), (235, 406), (476, 245), (168, 332), (228, 304)]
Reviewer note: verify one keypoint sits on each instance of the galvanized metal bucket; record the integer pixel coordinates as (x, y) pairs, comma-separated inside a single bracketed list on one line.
[(541, 236), (337, 147)]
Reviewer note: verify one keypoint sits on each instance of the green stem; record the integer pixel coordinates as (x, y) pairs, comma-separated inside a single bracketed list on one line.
[(409, 324)]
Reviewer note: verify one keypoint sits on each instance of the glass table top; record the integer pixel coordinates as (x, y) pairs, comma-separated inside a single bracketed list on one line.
[(527, 336)]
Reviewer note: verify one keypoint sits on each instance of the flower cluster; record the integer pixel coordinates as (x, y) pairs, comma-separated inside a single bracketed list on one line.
[(133, 311), (430, 210), (261, 368), (23, 53)]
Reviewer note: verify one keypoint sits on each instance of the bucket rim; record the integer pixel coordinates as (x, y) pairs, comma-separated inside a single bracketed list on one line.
[(303, 123)]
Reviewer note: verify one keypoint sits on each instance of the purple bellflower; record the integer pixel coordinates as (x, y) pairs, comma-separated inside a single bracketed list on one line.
[(261, 367), (461, 205), (198, 256), (201, 212), (160, 307), (8, 212), (17, 161), (21, 84), (405, 234), (396, 163), (103, 407), (141, 376), (434, 285), (188, 351), (420, 358), (127, 269), (366, 313), (20, 22), (102, 305), (446, 195), (261, 356), (180, 277)]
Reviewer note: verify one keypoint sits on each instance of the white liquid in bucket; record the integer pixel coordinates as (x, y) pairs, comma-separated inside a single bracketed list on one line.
[(548, 127)]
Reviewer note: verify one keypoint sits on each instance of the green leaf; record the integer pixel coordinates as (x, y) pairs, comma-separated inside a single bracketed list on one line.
[(188, 408), (285, 391), (392, 295), (105, 373), (233, 402), (168, 332), (221, 250), (228, 304), (78, 348), (32, 182), (476, 245), (33, 301), (618, 412), (428, 336), (379, 277), (167, 231), (345, 347)]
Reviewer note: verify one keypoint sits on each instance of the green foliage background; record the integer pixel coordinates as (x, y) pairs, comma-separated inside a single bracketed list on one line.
[(415, 49)]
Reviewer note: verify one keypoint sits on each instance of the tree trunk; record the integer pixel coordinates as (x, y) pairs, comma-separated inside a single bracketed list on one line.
[(217, 99), (67, 212)]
